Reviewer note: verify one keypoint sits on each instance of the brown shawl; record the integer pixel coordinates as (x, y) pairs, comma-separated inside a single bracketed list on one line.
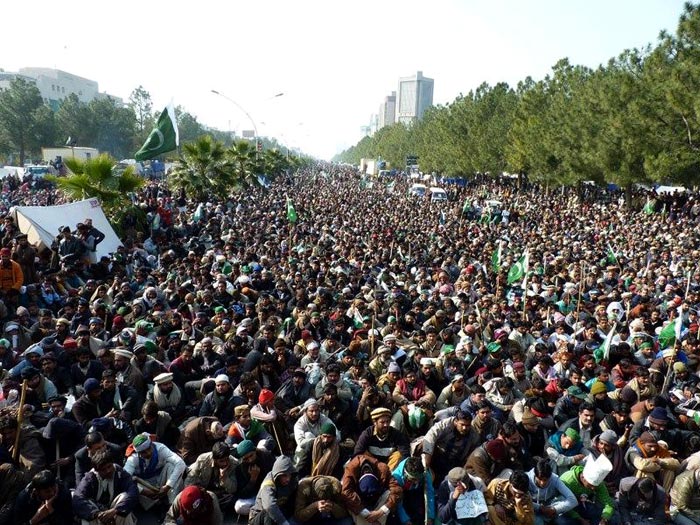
[(324, 460)]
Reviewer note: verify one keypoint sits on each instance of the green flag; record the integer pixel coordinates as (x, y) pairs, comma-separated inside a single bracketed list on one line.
[(603, 351), (496, 258), (291, 212), (163, 138), (466, 206), (670, 334), (519, 269), (648, 207), (612, 257)]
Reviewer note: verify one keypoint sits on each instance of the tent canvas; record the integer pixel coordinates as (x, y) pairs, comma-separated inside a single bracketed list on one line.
[(41, 223)]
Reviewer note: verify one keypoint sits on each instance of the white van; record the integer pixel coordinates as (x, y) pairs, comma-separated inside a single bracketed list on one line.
[(418, 190), (437, 194)]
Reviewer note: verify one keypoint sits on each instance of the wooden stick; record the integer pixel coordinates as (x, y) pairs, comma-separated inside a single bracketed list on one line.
[(580, 288), (20, 417), (145, 484)]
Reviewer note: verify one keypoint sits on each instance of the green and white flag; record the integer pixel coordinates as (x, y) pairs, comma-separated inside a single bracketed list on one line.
[(497, 257), (519, 269), (163, 138), (612, 256), (602, 353), (291, 212), (670, 333), (648, 207), (466, 206)]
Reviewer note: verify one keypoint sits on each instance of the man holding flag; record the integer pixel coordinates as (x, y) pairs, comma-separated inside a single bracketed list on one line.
[(519, 270), (291, 212)]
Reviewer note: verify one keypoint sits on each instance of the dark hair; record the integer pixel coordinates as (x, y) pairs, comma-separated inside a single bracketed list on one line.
[(538, 382), (646, 485), (506, 382), (93, 438), (660, 401), (520, 481), (220, 450), (101, 458), (463, 414), (621, 408), (43, 480), (482, 405), (642, 372), (586, 406), (247, 378), (150, 408), (543, 469), (414, 467), (7, 422), (478, 389), (332, 368), (509, 429)]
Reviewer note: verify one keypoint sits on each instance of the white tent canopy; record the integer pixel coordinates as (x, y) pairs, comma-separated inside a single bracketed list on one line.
[(41, 223)]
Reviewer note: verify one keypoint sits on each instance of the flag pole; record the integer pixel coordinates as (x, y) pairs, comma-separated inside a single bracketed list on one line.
[(20, 417), (580, 288)]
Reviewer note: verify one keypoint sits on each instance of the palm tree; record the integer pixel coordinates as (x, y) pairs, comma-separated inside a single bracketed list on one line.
[(96, 177), (244, 163), (202, 169)]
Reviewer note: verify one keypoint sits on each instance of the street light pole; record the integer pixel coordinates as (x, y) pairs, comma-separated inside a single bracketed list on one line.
[(255, 126)]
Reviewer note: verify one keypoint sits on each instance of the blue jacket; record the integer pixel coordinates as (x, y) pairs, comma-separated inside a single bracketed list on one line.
[(86, 494), (415, 490), (555, 494)]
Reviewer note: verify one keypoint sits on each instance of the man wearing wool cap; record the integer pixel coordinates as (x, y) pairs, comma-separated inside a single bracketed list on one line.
[(157, 470), (649, 458), (382, 441)]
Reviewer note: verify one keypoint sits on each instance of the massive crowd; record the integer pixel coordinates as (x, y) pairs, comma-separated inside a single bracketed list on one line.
[(368, 362)]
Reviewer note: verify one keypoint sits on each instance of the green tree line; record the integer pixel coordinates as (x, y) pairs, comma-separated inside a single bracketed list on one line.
[(27, 124), (634, 119)]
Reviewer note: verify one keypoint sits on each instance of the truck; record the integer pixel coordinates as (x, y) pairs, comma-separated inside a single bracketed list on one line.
[(369, 166), (67, 152)]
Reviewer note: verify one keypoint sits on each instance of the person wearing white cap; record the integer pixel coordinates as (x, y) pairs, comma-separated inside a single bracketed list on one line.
[(127, 374), (221, 401), (157, 466), (588, 485), (168, 396)]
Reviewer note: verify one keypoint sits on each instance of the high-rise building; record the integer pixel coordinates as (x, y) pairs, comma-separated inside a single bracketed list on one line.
[(415, 95), (387, 111)]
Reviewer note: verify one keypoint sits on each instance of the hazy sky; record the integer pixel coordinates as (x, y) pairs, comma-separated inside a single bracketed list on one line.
[(334, 61)]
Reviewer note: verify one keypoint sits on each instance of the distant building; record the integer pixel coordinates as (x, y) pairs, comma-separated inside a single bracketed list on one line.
[(415, 95), (55, 85), (387, 111)]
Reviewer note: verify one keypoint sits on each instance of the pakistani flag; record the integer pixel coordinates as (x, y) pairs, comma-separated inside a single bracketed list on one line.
[(519, 269), (612, 257), (163, 138), (602, 353), (443, 219), (670, 333), (466, 206), (496, 258), (291, 212), (648, 207)]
